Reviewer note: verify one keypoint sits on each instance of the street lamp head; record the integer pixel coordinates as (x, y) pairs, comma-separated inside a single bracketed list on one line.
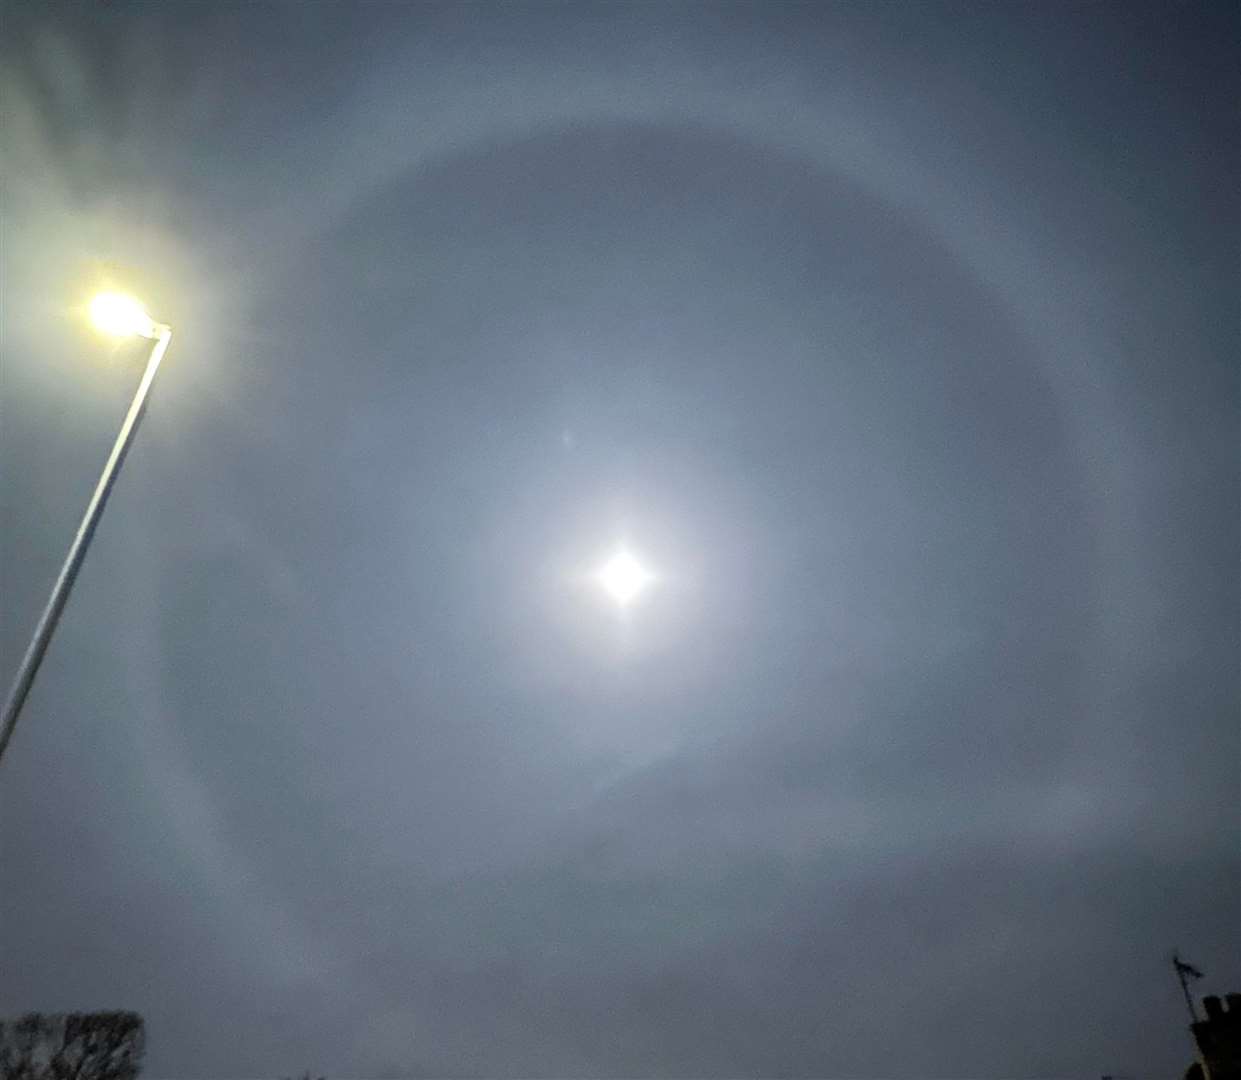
[(121, 316)]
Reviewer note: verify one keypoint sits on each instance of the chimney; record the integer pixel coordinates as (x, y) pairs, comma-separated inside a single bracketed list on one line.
[(1213, 1006)]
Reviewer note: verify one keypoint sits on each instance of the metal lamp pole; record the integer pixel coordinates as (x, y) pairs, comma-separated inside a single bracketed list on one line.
[(160, 336)]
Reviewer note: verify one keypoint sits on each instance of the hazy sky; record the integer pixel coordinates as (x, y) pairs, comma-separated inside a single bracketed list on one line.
[(901, 341)]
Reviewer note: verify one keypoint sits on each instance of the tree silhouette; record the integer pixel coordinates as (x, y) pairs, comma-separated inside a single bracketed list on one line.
[(72, 1046)]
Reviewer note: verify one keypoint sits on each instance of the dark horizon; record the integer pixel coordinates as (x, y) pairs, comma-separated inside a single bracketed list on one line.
[(897, 345)]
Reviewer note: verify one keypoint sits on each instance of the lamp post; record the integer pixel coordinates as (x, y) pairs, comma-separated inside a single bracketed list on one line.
[(120, 316)]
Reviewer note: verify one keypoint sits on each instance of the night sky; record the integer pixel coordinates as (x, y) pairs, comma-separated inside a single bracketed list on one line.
[(898, 341)]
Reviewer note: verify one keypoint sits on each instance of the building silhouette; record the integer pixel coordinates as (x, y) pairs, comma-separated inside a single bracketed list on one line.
[(1218, 1038)]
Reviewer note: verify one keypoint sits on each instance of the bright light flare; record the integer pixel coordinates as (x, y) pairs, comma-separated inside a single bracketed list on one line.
[(624, 578), (120, 316)]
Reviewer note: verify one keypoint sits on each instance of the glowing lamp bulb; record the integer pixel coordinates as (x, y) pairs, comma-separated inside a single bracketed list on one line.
[(120, 316), (624, 578)]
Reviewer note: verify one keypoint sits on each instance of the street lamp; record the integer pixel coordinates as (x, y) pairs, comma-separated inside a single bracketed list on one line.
[(119, 316)]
